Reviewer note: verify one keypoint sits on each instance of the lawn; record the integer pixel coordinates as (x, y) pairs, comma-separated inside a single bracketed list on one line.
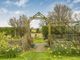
[(39, 40), (41, 56)]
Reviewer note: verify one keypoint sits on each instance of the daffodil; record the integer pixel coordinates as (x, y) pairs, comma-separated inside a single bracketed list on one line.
[(48, 48), (54, 55), (62, 45), (65, 47)]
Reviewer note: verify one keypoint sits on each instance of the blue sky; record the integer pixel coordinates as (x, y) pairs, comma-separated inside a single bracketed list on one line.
[(10, 8)]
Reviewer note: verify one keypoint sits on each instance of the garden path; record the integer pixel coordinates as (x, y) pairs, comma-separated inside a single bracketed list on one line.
[(40, 47)]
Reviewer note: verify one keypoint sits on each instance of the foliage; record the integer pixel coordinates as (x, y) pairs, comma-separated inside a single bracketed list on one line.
[(57, 30), (59, 19), (17, 29), (65, 48), (61, 14), (12, 52), (45, 32), (3, 42), (39, 40), (42, 56), (5, 49), (19, 25), (37, 30), (7, 30)]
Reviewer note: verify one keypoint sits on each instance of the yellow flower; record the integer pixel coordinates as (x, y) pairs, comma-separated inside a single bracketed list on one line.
[(13, 48), (48, 48), (54, 55), (65, 47), (62, 45)]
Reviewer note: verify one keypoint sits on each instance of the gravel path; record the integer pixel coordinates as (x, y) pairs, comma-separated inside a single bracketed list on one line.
[(40, 47)]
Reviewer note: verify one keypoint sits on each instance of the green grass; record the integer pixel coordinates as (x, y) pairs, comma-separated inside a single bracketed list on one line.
[(42, 56), (39, 40)]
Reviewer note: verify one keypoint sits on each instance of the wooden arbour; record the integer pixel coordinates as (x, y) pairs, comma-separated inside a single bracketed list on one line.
[(46, 20)]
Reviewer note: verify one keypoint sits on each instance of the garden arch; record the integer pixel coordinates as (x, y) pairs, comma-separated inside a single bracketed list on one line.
[(38, 16), (42, 17)]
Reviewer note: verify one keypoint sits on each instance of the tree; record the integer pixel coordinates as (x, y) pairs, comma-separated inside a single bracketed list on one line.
[(13, 23), (23, 28), (27, 36), (62, 13), (58, 21), (19, 25), (76, 17), (60, 17)]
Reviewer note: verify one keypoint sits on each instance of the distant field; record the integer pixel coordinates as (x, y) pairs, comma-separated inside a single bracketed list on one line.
[(39, 35)]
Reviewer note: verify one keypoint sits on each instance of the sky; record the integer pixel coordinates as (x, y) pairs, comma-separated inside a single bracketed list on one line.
[(10, 8)]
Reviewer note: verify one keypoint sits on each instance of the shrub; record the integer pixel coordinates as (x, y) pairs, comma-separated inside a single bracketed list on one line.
[(3, 43), (65, 48), (45, 32), (12, 52), (5, 49)]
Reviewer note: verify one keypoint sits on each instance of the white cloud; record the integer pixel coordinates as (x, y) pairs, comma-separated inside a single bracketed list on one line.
[(35, 23), (5, 15), (3, 11), (51, 6), (8, 2), (17, 12), (68, 1), (76, 1), (17, 2), (21, 2), (77, 8), (77, 14)]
